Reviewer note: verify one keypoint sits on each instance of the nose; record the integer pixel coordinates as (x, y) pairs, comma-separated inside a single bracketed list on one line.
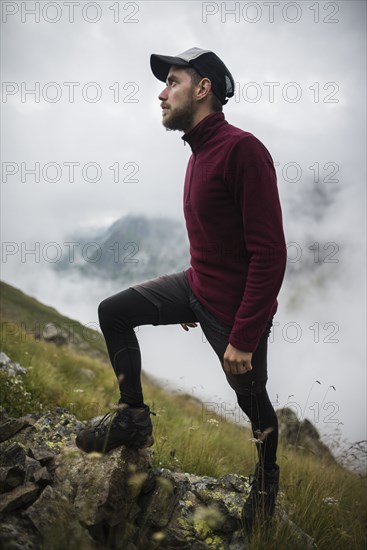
[(163, 95)]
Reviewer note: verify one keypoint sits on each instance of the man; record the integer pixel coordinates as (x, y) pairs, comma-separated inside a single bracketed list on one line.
[(238, 258)]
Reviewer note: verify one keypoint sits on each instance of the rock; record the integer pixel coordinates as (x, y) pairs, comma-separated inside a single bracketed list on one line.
[(302, 435), (18, 497), (12, 453), (16, 533), (43, 512), (11, 426), (4, 359), (48, 433), (88, 373), (43, 456), (41, 476), (11, 477), (25, 469), (115, 500), (198, 510), (53, 333), (10, 367), (49, 510), (107, 488), (31, 467)]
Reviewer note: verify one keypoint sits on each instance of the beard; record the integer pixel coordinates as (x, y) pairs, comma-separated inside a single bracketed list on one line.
[(181, 118)]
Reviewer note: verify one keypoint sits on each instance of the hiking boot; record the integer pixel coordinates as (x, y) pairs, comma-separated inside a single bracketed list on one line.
[(261, 500), (127, 426)]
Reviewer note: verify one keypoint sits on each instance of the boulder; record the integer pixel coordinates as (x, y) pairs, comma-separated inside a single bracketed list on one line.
[(53, 491), (19, 497), (53, 333), (302, 435), (10, 367)]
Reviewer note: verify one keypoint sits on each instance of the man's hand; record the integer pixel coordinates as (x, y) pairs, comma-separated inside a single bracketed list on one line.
[(237, 361), (186, 325)]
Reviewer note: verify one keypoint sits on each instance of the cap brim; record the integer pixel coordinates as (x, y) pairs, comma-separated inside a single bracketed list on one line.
[(160, 65)]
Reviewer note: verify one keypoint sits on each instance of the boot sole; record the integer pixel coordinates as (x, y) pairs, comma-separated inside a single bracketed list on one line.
[(147, 443)]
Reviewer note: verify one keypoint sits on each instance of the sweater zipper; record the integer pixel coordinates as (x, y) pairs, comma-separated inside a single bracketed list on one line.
[(191, 176)]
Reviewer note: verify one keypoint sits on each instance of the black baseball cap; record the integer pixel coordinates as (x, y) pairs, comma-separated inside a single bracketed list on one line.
[(205, 62)]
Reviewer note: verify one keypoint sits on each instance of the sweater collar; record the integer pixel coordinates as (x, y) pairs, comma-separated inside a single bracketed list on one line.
[(200, 133)]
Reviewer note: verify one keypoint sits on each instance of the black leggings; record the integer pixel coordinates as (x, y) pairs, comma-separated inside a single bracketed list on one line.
[(119, 314)]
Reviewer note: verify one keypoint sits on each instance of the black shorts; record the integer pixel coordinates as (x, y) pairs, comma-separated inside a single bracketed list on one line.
[(176, 303)]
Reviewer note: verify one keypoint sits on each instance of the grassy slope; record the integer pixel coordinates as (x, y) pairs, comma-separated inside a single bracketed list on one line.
[(80, 377)]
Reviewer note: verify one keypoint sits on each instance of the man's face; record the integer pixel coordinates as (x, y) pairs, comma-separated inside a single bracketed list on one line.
[(177, 101)]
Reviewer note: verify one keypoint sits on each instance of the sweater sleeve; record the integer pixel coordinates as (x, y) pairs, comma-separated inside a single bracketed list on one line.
[(252, 182)]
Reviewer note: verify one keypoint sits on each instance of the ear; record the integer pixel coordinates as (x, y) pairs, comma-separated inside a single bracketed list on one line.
[(203, 89)]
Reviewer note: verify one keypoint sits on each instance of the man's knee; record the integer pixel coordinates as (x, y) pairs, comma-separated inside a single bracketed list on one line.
[(110, 310), (104, 312), (115, 312), (248, 388)]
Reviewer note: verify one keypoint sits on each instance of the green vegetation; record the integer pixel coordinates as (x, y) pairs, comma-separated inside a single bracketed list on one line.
[(322, 498)]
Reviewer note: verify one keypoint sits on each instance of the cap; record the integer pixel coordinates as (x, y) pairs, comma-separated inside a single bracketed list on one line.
[(205, 62)]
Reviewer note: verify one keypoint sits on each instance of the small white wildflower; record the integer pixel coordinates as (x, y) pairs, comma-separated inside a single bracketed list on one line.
[(330, 500), (254, 440), (78, 390), (194, 427), (214, 422)]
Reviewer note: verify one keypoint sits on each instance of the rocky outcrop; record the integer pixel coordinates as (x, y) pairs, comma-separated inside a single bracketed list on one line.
[(54, 334), (10, 367), (301, 434), (50, 490)]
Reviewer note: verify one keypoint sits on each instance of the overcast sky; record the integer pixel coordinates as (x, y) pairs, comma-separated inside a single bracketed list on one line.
[(310, 55)]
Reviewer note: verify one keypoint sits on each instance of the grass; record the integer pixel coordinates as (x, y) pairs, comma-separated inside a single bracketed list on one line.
[(325, 500)]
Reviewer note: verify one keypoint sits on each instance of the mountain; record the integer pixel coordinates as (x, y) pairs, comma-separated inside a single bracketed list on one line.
[(132, 248), (136, 248)]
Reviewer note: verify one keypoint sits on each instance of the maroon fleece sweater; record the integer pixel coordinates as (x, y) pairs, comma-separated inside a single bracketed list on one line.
[(234, 224)]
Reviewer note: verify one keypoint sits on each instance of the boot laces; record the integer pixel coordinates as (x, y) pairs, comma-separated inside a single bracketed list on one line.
[(123, 414)]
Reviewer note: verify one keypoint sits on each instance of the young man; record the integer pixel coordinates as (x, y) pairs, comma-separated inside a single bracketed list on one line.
[(238, 258)]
